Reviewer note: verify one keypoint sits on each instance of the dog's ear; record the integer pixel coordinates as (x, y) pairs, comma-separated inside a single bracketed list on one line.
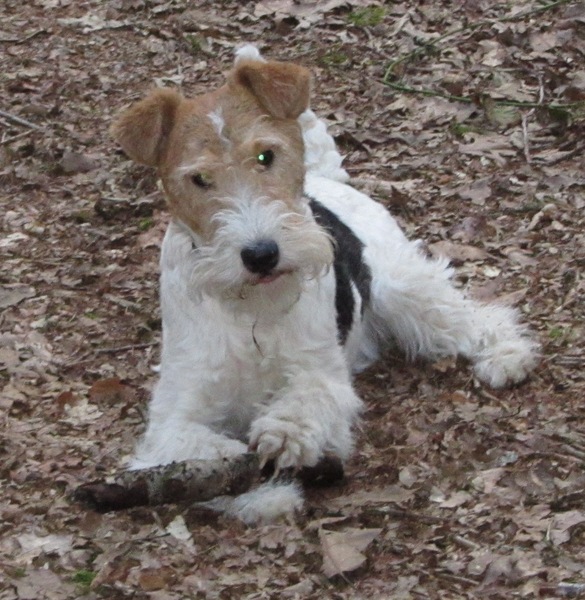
[(283, 89), (144, 128)]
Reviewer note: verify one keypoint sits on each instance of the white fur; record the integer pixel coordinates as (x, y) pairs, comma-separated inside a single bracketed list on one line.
[(321, 155), (216, 269), (248, 52), (260, 366), (265, 504)]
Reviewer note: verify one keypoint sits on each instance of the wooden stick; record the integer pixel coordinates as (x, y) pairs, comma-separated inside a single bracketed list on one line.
[(196, 481), (19, 121), (9, 140), (186, 481)]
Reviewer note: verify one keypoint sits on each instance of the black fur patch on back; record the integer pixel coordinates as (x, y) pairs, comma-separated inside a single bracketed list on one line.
[(349, 267)]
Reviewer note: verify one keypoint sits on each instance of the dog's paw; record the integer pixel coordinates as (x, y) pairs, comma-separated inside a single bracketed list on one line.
[(507, 362), (197, 444), (220, 447), (290, 444)]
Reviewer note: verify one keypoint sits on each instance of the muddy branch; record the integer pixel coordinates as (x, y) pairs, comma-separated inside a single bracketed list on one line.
[(186, 481), (195, 481)]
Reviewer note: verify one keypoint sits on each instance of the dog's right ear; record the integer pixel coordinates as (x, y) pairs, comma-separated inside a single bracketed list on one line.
[(143, 129)]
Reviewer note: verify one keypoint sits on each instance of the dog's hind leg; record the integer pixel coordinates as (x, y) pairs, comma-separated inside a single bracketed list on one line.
[(415, 304)]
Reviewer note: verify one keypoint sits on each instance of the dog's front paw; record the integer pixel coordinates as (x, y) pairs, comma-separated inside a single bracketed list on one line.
[(507, 362), (194, 443), (220, 448), (291, 444)]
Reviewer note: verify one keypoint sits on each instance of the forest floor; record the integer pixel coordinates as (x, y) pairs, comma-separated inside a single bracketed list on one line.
[(467, 119)]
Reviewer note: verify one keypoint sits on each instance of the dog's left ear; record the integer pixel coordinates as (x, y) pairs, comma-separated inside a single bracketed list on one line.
[(283, 89)]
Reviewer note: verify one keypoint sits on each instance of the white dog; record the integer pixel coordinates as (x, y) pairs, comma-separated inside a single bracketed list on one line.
[(279, 280)]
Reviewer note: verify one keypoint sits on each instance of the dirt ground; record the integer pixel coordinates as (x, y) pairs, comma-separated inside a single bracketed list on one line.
[(467, 119)]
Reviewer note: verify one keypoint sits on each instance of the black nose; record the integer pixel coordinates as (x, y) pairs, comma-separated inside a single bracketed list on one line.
[(260, 257)]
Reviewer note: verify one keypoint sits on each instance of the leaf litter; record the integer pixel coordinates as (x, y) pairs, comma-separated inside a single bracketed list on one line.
[(467, 120)]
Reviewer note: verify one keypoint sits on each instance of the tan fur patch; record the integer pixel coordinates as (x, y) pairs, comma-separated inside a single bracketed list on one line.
[(206, 149)]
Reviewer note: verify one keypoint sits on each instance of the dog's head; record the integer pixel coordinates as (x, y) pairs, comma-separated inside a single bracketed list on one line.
[(231, 163)]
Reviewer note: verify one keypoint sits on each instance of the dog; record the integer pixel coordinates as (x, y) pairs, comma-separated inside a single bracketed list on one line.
[(279, 281)]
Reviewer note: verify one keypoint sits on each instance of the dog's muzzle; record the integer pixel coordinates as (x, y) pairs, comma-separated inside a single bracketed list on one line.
[(261, 257)]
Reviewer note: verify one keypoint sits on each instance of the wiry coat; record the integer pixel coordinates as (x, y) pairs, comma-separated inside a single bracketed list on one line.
[(263, 359)]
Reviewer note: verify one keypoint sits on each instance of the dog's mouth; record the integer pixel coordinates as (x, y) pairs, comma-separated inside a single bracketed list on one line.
[(266, 278)]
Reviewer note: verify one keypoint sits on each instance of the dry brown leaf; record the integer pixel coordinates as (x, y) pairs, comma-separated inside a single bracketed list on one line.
[(111, 391), (343, 550), (75, 162), (10, 296), (486, 481), (562, 523), (457, 253)]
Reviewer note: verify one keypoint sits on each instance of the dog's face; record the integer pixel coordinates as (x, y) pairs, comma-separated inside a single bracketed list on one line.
[(231, 163)]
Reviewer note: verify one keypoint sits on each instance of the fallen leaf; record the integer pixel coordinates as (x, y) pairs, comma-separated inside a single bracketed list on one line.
[(500, 568), (33, 545), (152, 579), (468, 229), (342, 550), (42, 584), (407, 477), (493, 146), (457, 253), (178, 529), (390, 494), (562, 523), (74, 162), (487, 480), (111, 391), (66, 398), (456, 499), (478, 192), (10, 296), (92, 22)]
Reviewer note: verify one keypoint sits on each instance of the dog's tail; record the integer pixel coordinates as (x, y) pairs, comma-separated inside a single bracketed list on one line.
[(267, 503), (321, 155)]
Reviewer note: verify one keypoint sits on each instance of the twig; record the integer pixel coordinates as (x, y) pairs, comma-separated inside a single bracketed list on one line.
[(401, 513), (516, 103), (117, 349), (457, 578), (423, 92), (429, 44), (534, 11), (25, 39), (577, 151), (564, 589), (195, 481), (19, 121), (469, 27), (89, 356), (465, 543), (190, 480), (14, 138), (525, 136), (525, 123)]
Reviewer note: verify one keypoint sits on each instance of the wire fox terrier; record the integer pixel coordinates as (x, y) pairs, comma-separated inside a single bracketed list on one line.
[(278, 280)]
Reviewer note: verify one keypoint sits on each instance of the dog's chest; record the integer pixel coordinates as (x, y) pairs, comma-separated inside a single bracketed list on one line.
[(257, 364), (254, 373)]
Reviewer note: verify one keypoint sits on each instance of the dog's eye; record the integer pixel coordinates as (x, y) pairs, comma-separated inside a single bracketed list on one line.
[(202, 180), (265, 158)]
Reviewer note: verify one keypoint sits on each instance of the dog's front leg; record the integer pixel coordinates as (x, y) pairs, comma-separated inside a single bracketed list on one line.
[(179, 424), (310, 418)]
